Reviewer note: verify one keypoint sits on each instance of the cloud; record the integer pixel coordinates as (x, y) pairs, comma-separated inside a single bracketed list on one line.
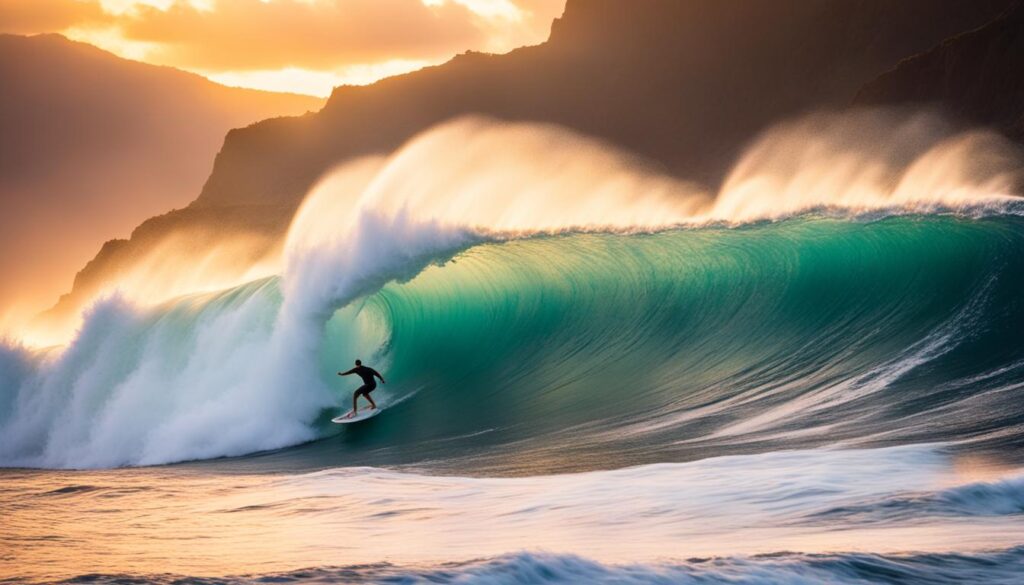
[(269, 41), (252, 34), (35, 16)]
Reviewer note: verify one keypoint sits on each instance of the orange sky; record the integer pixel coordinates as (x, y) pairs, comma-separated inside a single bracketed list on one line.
[(303, 46)]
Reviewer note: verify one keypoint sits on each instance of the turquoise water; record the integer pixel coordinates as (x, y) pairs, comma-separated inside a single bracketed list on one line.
[(813, 384), (582, 350), (592, 350)]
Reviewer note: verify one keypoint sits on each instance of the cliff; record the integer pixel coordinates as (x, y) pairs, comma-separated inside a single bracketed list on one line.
[(684, 83), (976, 76)]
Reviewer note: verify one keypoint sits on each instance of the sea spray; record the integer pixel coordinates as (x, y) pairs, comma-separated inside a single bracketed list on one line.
[(584, 299)]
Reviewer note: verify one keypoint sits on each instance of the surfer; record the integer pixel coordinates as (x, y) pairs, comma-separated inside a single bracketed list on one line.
[(369, 384)]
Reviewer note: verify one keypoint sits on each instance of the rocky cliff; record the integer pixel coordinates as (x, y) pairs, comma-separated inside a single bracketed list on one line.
[(977, 76), (683, 82)]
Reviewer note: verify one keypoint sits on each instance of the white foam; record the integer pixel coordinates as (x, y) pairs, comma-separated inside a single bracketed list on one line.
[(203, 377)]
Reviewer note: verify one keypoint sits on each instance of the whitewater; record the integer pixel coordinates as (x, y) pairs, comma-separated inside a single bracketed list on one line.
[(597, 372)]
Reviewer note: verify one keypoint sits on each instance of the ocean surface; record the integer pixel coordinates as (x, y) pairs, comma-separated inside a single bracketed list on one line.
[(833, 394)]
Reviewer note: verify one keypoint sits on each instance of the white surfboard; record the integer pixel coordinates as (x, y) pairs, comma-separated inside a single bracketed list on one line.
[(364, 413)]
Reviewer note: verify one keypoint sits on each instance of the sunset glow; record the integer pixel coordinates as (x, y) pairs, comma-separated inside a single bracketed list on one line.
[(311, 82), (299, 46)]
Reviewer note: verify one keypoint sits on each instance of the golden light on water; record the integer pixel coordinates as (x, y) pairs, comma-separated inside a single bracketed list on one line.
[(201, 521)]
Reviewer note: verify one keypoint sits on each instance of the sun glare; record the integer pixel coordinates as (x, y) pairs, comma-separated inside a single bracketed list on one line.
[(316, 83), (124, 6), (492, 9)]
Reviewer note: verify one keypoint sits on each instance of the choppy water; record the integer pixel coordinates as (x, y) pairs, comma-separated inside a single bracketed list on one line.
[(723, 517)]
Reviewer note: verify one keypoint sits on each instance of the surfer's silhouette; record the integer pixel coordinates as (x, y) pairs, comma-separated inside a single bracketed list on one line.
[(369, 384)]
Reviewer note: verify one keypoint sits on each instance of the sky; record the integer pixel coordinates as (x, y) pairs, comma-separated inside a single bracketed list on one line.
[(300, 46)]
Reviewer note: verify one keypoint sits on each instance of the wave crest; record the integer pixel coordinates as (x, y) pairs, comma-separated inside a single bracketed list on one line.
[(794, 326)]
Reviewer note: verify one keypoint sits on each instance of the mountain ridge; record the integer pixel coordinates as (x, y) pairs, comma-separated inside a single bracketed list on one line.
[(974, 76), (92, 144)]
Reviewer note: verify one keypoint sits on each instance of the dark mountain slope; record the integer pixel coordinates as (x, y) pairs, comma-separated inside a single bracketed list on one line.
[(684, 83), (977, 76), (92, 144)]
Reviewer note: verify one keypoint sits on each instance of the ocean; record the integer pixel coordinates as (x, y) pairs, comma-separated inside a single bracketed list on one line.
[(593, 376)]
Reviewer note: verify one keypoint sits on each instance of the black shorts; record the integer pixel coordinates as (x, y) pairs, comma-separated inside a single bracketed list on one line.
[(365, 389)]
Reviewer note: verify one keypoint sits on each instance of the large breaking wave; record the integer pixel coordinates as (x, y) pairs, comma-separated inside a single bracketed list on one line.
[(542, 301)]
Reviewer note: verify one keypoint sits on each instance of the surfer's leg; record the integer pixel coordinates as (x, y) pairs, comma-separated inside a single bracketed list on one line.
[(373, 405), (355, 400), (361, 391)]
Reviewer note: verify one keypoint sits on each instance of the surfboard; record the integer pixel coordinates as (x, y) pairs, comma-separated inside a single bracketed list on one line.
[(364, 413)]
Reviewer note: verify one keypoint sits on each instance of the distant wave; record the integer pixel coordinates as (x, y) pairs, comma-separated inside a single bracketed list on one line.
[(997, 498), (997, 568)]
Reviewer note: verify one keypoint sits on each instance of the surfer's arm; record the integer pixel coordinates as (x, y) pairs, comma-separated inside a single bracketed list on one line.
[(376, 373), (352, 371)]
